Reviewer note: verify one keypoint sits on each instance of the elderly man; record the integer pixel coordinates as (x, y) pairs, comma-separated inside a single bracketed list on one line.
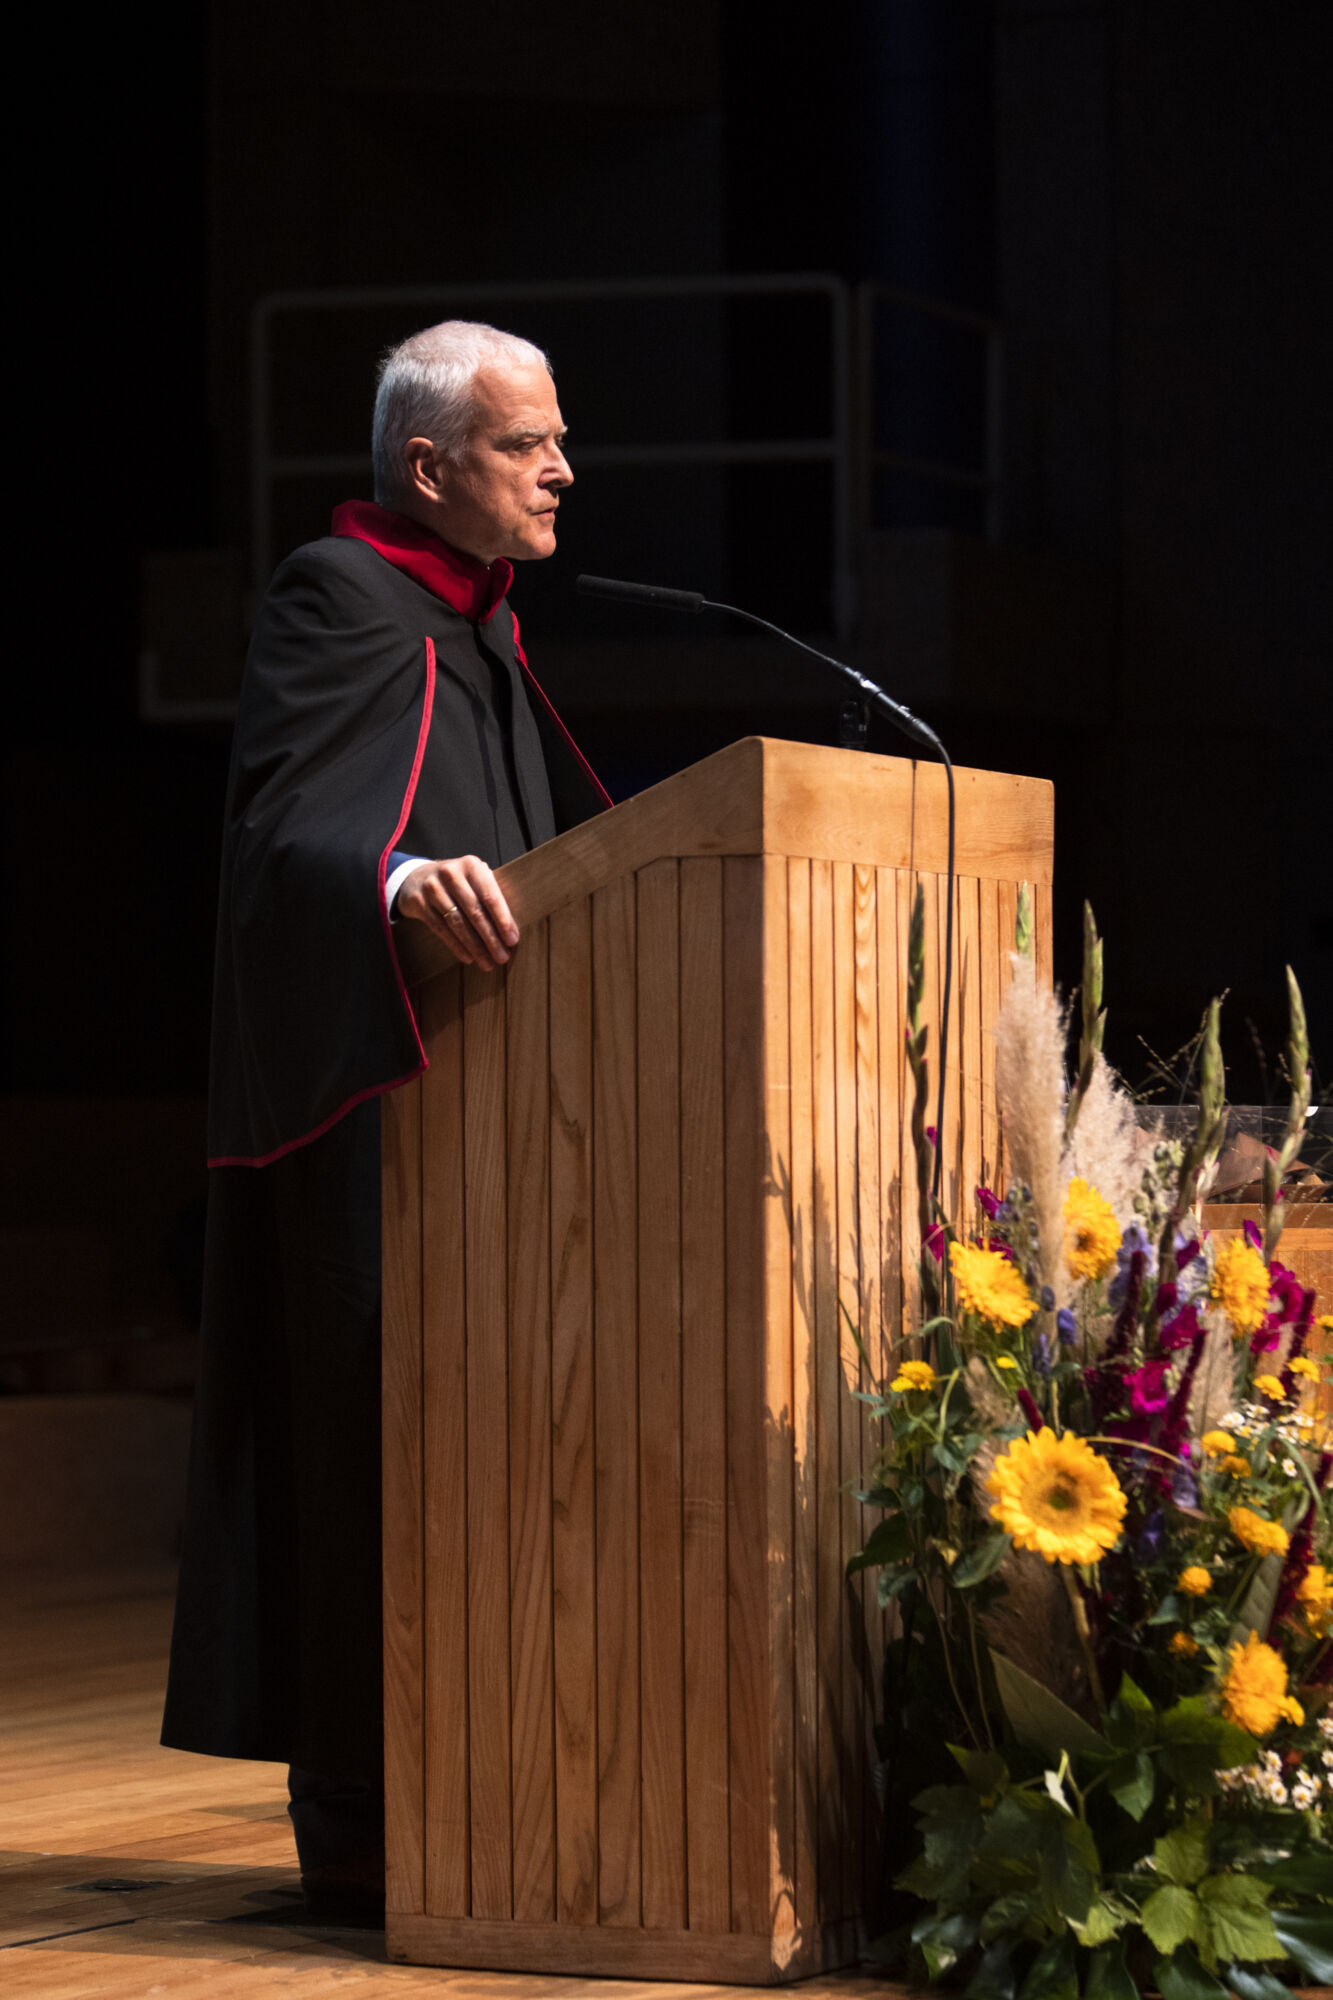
[(391, 750)]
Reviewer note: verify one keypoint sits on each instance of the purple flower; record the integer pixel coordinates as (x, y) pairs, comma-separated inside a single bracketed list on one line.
[(1133, 1244), (1066, 1326), (934, 1241), (988, 1202), (1185, 1252), (1151, 1539), (1047, 1298), (1041, 1355), (1184, 1487), (1167, 1295), (1250, 1231), (932, 1135)]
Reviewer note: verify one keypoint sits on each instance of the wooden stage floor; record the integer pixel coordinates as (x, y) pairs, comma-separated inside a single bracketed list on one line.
[(129, 1870)]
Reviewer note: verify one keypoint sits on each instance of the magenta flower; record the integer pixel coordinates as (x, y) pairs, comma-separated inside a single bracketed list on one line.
[(934, 1241), (1179, 1329), (1149, 1391), (988, 1202), (1250, 1231)]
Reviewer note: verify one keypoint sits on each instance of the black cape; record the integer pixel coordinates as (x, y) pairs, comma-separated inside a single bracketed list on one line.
[(310, 1014), (374, 715)]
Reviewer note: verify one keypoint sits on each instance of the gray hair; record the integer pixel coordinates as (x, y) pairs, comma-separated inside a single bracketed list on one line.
[(425, 390)]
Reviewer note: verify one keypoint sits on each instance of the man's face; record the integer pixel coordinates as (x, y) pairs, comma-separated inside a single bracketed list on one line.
[(502, 499)]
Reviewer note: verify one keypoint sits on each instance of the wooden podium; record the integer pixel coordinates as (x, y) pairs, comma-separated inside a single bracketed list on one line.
[(654, 1169)]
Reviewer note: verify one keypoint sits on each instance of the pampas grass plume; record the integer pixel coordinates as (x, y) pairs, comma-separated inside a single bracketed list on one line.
[(1030, 1089)]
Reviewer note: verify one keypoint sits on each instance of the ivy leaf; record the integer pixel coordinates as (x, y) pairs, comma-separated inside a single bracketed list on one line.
[(1247, 1983), (1011, 1913), (890, 1542), (994, 1977), (1106, 1916), (1171, 1917), (1299, 1875), (1181, 1977), (1308, 1937), (892, 1583), (1131, 1782), (1053, 1975), (1038, 1717), (980, 1562), (1182, 1855), (1168, 1611), (1069, 1869), (1108, 1975), (943, 1939), (1235, 1920), (1196, 1744)]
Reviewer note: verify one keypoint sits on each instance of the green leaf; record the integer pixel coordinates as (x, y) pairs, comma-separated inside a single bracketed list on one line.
[(1256, 1613), (1251, 1983), (1299, 1874), (1308, 1937), (1170, 1917), (1182, 1855), (980, 1562), (943, 1939), (1235, 1920), (994, 1976), (1106, 1916), (1131, 1782), (1168, 1611), (985, 1770), (1108, 1975), (1053, 1975), (1038, 1717), (1181, 1977), (1013, 1913), (890, 1542)]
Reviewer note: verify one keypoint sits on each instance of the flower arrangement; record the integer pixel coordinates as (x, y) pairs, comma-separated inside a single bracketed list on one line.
[(1106, 1528)]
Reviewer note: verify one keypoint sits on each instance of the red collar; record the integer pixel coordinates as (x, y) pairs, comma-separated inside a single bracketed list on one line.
[(464, 583)]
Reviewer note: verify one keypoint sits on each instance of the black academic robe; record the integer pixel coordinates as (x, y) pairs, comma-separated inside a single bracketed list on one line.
[(386, 705)]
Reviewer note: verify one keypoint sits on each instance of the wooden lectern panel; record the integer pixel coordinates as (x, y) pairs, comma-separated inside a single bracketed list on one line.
[(654, 1173)]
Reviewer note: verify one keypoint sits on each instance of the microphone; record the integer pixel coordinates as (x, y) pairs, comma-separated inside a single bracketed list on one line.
[(911, 725), (692, 600), (641, 593)]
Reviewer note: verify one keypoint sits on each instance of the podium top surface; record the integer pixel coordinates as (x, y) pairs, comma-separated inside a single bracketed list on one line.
[(764, 796)]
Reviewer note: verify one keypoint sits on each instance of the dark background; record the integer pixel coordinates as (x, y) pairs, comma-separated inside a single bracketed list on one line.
[(1134, 195)]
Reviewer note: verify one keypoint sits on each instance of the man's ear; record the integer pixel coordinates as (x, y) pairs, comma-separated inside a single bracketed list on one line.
[(423, 469)]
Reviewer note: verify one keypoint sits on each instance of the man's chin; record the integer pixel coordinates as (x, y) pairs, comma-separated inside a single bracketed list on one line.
[(537, 548)]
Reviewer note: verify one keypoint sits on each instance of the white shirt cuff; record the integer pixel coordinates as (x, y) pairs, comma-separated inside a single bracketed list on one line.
[(394, 882)]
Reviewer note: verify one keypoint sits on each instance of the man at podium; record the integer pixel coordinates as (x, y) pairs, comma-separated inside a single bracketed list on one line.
[(391, 750)]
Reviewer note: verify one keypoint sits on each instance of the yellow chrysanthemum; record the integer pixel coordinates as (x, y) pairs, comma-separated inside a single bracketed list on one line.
[(1261, 1537), (1092, 1234), (1055, 1495), (1269, 1385), (1195, 1581), (1217, 1444), (1183, 1646), (913, 1375), (1325, 1320), (1254, 1687), (1301, 1364), (990, 1286), (1314, 1594), (1238, 1467), (1240, 1285), (1292, 1709)]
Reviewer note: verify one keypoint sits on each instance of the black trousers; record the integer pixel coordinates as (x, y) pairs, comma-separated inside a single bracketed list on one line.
[(276, 1647)]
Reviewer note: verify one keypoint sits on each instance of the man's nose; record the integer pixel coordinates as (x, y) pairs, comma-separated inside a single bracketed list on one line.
[(559, 473)]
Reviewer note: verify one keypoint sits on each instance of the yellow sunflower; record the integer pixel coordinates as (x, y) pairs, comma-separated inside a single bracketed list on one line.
[(1183, 1646), (1254, 1687), (1260, 1536), (913, 1375), (990, 1286), (1314, 1594), (1055, 1495), (1240, 1285), (1195, 1581), (1092, 1234)]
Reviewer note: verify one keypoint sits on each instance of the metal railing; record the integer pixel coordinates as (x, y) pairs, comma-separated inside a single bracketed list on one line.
[(835, 450)]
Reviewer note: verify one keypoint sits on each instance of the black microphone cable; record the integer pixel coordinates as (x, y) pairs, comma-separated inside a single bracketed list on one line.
[(911, 725)]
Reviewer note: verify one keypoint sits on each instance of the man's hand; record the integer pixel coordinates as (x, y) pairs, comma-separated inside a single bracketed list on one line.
[(462, 903)]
